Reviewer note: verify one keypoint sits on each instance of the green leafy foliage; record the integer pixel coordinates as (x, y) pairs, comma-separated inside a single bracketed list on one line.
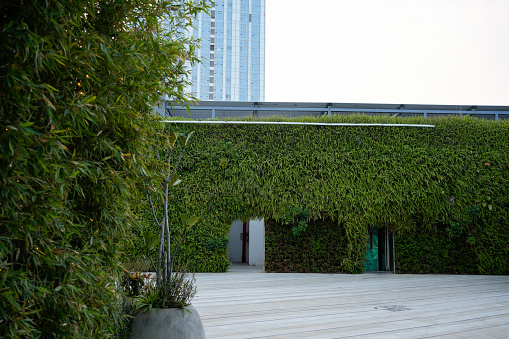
[(216, 244), (350, 266), (321, 249), (150, 240), (167, 180), (175, 294), (457, 227), (356, 176), (432, 250), (78, 82), (298, 218), (204, 247), (471, 245), (132, 283)]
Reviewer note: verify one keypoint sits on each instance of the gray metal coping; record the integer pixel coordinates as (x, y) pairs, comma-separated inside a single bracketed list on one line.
[(217, 109)]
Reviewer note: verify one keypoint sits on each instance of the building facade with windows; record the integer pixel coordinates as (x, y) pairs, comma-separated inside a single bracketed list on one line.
[(232, 50)]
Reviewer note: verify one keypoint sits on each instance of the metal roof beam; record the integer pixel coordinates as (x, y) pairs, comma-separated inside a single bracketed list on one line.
[(329, 108)]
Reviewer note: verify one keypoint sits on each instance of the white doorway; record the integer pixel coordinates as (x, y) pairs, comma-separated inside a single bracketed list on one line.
[(238, 247), (247, 242)]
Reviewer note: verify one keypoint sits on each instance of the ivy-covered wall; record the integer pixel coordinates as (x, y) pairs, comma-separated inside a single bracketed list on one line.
[(434, 251), (419, 179), (470, 246), (320, 248)]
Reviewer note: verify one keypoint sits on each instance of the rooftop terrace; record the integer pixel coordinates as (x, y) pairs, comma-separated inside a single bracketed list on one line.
[(248, 303)]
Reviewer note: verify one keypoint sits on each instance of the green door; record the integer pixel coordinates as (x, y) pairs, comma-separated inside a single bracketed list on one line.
[(371, 261)]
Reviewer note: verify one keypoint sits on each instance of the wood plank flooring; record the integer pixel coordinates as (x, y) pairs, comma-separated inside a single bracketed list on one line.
[(248, 303)]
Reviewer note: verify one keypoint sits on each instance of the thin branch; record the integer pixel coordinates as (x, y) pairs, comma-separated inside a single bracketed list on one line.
[(168, 237), (159, 159), (178, 163), (169, 165), (175, 251), (168, 254), (153, 210), (151, 261), (159, 255)]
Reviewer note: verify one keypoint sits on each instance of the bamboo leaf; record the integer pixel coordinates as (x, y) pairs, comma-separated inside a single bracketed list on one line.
[(172, 137), (174, 181)]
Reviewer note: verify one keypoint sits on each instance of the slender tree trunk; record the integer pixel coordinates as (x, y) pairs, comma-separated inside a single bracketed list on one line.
[(164, 273), (166, 226), (175, 250), (168, 254), (159, 255)]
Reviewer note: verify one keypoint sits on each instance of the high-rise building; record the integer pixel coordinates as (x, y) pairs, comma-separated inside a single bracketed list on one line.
[(232, 50)]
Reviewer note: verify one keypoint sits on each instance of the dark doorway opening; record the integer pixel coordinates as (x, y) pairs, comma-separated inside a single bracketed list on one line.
[(379, 250)]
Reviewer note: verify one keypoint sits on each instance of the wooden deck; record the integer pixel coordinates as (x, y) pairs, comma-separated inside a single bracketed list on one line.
[(248, 303)]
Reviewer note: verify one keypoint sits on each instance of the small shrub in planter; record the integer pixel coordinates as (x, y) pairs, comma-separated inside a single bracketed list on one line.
[(175, 294), (163, 309)]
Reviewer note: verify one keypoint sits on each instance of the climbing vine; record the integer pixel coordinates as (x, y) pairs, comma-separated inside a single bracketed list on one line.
[(451, 178)]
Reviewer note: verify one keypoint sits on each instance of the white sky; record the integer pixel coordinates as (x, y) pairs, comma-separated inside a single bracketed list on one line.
[(388, 51)]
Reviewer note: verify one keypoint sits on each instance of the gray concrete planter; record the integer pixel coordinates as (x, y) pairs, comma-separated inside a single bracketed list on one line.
[(168, 323)]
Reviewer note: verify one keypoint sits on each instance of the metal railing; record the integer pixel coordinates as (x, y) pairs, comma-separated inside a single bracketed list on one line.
[(205, 110)]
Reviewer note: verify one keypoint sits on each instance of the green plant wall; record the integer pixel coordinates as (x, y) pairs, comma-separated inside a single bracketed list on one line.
[(414, 178), (434, 251), (321, 248)]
